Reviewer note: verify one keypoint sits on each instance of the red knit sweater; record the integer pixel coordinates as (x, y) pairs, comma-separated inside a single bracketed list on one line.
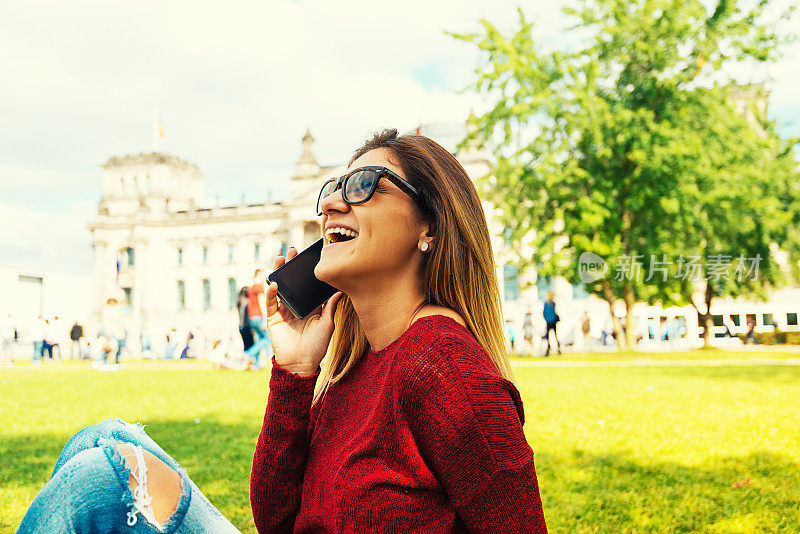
[(424, 436)]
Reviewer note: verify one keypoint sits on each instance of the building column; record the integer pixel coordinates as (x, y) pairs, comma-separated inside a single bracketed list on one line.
[(140, 287), (100, 277)]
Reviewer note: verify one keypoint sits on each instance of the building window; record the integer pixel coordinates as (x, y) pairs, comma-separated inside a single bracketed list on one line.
[(233, 295), (128, 295), (768, 321), (717, 320), (206, 295), (230, 253), (181, 295), (180, 256), (700, 322), (205, 255), (129, 256), (257, 251), (791, 319), (511, 281), (736, 320)]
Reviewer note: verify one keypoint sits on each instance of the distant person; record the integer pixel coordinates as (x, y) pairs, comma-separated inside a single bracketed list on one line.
[(638, 330), (256, 318), (221, 358), (751, 332), (527, 330), (187, 353), (75, 335), (147, 346), (586, 328), (244, 319), (728, 331), (106, 347), (7, 340), (510, 333), (121, 338), (607, 333), (551, 318), (37, 336), (86, 347), (170, 345), (49, 339), (59, 337), (217, 354)]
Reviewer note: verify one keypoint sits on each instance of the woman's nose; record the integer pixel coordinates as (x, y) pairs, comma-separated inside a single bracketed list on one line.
[(333, 202)]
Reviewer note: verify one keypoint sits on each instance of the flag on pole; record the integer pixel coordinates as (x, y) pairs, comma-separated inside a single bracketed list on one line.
[(158, 131)]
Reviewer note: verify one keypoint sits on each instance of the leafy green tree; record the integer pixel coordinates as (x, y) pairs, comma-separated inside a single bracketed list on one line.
[(746, 202), (612, 148)]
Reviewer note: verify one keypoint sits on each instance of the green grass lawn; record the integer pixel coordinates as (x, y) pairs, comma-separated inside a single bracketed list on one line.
[(617, 449)]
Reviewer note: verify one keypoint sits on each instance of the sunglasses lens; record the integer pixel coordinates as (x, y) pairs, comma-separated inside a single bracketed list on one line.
[(359, 185)]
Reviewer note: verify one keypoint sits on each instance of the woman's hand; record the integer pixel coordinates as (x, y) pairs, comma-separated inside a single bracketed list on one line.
[(299, 344)]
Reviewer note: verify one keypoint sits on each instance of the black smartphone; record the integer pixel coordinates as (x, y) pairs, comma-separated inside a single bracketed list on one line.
[(298, 288)]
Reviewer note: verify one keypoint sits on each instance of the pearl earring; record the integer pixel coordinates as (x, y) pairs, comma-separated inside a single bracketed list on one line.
[(423, 246)]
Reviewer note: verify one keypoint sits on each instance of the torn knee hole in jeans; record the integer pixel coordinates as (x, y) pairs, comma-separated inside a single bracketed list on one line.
[(137, 497)]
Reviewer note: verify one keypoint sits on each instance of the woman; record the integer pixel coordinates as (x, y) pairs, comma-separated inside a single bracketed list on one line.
[(416, 425)]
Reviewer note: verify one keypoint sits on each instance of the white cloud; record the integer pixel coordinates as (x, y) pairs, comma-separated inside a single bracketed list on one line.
[(56, 241)]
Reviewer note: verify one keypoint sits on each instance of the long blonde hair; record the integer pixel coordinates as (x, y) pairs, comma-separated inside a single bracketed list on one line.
[(459, 272)]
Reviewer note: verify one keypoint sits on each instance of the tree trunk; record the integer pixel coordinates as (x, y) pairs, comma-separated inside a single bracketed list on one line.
[(628, 297), (706, 317), (609, 297)]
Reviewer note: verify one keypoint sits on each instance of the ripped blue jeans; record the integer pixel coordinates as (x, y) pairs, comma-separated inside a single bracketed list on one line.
[(88, 491)]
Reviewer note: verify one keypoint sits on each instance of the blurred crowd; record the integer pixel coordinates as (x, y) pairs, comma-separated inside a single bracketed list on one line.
[(51, 339), (540, 334)]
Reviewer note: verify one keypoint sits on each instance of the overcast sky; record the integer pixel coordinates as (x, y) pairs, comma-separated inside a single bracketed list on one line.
[(236, 85)]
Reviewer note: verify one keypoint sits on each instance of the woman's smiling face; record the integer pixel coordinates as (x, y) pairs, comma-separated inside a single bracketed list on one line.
[(365, 242)]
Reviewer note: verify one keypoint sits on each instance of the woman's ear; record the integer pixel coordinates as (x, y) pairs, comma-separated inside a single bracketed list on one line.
[(426, 239)]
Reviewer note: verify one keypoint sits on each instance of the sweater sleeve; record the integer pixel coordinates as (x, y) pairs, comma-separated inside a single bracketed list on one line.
[(467, 424), (276, 480)]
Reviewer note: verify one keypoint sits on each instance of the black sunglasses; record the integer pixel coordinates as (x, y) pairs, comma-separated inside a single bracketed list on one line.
[(359, 185)]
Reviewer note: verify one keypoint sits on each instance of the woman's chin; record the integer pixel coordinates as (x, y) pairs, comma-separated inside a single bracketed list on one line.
[(326, 272), (333, 275)]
